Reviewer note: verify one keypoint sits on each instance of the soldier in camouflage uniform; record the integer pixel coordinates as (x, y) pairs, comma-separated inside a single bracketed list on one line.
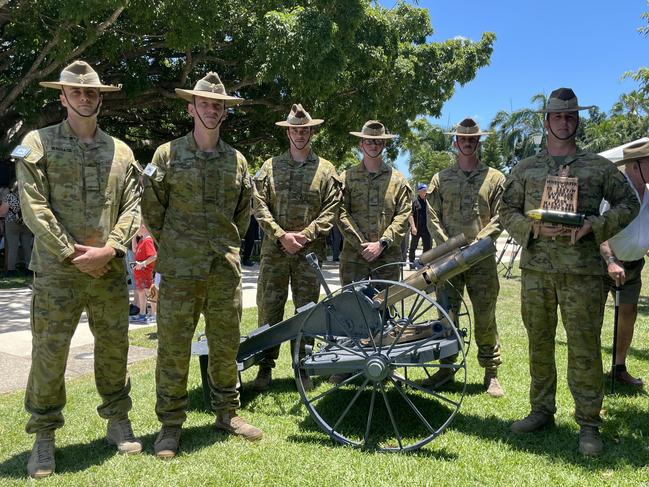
[(196, 204), (296, 200), (79, 196), (465, 199), (556, 272), (374, 211)]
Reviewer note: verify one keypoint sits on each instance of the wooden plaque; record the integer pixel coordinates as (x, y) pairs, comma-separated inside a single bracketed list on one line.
[(560, 194)]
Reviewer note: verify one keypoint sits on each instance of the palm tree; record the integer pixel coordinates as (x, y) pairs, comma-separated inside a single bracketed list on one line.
[(634, 103), (516, 130)]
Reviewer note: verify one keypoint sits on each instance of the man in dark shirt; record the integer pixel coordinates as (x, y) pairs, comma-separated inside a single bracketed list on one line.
[(418, 227)]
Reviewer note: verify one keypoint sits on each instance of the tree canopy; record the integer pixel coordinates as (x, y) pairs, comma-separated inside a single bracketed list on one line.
[(345, 60)]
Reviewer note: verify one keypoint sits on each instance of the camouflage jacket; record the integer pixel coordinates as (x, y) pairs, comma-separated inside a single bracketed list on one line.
[(77, 193), (375, 206), (598, 178), (458, 203), (196, 204), (296, 196)]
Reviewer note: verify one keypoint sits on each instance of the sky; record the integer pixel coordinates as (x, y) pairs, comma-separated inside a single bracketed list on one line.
[(540, 46)]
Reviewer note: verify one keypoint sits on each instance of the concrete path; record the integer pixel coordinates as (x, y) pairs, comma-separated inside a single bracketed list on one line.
[(15, 333)]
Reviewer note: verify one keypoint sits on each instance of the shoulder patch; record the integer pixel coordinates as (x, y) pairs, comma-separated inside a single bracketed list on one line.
[(150, 169), (21, 151)]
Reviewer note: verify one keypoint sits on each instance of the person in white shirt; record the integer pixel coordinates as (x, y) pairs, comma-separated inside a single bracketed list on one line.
[(624, 255)]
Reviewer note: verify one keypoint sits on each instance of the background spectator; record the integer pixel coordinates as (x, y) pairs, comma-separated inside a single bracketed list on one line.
[(16, 232)]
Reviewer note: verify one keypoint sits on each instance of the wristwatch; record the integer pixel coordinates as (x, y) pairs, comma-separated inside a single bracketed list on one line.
[(611, 259), (384, 243)]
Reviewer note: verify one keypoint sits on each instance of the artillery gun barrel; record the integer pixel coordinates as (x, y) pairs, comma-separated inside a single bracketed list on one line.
[(442, 269), (441, 250)]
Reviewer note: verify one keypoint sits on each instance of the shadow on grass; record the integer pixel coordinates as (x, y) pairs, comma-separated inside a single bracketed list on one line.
[(81, 456), (560, 442), (284, 385)]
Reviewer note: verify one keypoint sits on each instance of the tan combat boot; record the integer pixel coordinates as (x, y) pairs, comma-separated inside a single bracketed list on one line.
[(229, 421), (167, 442), (494, 389), (120, 433), (439, 378), (534, 421), (41, 460), (590, 442), (263, 379)]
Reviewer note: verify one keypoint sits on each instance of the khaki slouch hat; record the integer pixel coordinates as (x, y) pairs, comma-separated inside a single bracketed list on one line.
[(634, 152), (467, 128), (299, 117), (79, 74), (210, 86), (373, 129), (563, 100)]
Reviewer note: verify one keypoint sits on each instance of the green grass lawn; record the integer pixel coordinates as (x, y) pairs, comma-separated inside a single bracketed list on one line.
[(477, 448)]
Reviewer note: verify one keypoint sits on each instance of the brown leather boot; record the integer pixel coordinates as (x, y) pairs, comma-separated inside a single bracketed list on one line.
[(41, 461), (235, 425)]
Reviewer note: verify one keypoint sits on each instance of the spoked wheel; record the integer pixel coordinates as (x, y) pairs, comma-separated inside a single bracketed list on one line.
[(462, 316), (383, 399)]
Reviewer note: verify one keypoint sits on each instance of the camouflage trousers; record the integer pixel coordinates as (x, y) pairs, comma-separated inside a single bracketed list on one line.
[(57, 303), (482, 285), (354, 268), (277, 271), (581, 300), (180, 304)]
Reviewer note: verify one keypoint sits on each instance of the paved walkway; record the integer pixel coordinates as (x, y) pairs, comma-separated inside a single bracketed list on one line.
[(15, 333)]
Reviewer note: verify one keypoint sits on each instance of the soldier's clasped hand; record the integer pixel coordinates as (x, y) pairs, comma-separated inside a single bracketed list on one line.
[(292, 242), (371, 250)]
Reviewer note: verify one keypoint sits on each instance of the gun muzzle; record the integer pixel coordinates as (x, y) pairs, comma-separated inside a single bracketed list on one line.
[(557, 217), (440, 270), (436, 252)]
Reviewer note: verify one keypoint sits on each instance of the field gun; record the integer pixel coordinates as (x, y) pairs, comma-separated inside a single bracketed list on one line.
[(385, 338)]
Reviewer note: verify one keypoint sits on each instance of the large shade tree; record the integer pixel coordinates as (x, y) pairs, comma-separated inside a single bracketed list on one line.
[(346, 60)]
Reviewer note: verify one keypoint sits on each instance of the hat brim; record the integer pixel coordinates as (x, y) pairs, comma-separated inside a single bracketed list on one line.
[(313, 123), (622, 162), (361, 135), (57, 85), (477, 134), (188, 95), (564, 110)]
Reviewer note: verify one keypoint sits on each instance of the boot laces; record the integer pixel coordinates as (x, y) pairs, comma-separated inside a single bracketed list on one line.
[(44, 450), (125, 430), (170, 432)]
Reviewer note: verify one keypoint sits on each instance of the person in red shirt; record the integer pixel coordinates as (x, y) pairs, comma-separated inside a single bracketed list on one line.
[(145, 257)]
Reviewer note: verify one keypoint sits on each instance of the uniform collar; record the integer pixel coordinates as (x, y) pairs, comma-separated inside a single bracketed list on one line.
[(569, 159), (310, 158), (101, 137), (191, 145), (479, 169), (383, 168)]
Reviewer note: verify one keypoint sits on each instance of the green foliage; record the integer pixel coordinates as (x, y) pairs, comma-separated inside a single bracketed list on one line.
[(347, 61), (491, 153), (516, 130), (428, 149)]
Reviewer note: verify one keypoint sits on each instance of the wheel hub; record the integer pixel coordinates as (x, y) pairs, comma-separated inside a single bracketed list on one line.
[(376, 368)]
